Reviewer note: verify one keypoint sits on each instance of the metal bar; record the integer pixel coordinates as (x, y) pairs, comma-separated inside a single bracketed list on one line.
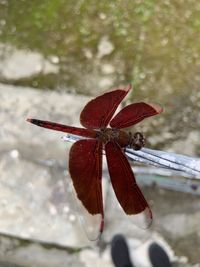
[(188, 166), (167, 179), (167, 160), (190, 162)]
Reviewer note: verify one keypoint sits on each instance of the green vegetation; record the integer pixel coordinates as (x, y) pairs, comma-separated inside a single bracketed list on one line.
[(156, 43)]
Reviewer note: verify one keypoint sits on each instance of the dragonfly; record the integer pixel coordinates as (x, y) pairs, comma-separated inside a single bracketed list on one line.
[(104, 133)]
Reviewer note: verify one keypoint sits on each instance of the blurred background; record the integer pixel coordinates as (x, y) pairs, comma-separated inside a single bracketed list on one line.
[(54, 56)]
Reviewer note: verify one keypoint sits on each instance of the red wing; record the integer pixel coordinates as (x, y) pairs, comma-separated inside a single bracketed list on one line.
[(63, 128), (98, 112), (85, 167), (124, 184), (133, 114)]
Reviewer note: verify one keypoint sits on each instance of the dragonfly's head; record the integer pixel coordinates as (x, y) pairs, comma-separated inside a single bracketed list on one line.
[(137, 140)]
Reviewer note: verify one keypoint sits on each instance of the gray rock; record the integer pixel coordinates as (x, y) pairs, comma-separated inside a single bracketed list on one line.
[(16, 64), (36, 200)]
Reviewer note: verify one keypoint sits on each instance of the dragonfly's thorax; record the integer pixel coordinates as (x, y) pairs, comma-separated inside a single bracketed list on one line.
[(124, 139), (108, 134)]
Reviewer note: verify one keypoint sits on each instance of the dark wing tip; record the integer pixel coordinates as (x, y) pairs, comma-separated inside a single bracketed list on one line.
[(35, 121)]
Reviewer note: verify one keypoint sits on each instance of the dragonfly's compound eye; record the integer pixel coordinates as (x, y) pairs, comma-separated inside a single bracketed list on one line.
[(138, 141)]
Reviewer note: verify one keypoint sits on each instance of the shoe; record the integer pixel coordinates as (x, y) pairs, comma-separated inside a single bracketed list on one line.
[(158, 256), (120, 252)]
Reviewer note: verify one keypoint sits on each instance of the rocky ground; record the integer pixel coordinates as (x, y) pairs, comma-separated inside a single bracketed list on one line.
[(36, 208)]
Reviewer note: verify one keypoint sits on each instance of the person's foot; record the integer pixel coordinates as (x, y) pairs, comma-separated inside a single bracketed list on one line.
[(120, 252), (158, 256)]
